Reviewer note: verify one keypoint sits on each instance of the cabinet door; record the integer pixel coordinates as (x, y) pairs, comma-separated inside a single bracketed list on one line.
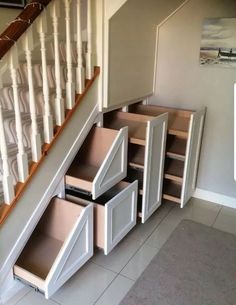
[(114, 167), (192, 155), (154, 164), (120, 216)]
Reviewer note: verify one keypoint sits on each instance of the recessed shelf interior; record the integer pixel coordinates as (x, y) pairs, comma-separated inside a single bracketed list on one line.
[(135, 174), (172, 191), (176, 147), (136, 155), (90, 157), (136, 128), (174, 169), (178, 120)]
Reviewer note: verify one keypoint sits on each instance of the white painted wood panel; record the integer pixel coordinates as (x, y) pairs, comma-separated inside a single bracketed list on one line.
[(114, 166), (120, 216), (192, 155), (154, 165), (76, 249)]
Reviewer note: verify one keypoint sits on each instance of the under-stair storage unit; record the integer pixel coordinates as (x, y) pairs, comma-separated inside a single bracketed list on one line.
[(182, 149), (146, 154), (100, 163), (61, 243), (115, 213)]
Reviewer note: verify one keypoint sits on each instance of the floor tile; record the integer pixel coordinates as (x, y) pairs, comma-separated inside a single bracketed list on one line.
[(197, 210), (139, 262), (35, 298), (116, 291), (161, 234), (143, 231), (119, 256), (85, 286), (226, 220), (18, 296), (202, 211)]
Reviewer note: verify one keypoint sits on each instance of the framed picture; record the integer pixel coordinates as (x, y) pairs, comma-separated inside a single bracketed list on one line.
[(13, 3), (218, 43)]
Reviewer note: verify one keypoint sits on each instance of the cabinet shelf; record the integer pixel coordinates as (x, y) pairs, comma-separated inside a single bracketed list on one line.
[(174, 170), (176, 147), (136, 155), (172, 191)]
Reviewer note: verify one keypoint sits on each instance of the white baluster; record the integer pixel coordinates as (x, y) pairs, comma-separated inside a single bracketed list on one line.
[(28, 43), (80, 76), (22, 159), (47, 118), (89, 55), (70, 86), (7, 180), (60, 109)]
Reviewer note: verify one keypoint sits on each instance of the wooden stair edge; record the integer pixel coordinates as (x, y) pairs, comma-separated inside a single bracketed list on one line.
[(6, 209)]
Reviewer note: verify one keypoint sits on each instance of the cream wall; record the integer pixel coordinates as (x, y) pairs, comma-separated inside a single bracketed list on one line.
[(6, 16), (131, 48), (181, 82)]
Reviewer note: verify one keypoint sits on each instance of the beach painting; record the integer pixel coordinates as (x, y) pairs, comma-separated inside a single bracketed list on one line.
[(218, 43)]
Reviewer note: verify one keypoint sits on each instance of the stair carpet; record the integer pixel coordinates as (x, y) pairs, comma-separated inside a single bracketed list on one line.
[(7, 103)]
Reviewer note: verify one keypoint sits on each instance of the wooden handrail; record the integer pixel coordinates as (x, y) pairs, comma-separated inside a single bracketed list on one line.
[(20, 24)]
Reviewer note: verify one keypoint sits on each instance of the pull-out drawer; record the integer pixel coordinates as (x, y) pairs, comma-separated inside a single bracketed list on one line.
[(115, 213), (61, 243), (147, 142), (100, 163)]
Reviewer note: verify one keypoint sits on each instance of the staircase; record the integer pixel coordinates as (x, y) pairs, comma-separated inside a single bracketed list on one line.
[(48, 82)]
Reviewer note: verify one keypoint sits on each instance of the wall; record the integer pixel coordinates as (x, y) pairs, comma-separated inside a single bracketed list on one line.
[(131, 48), (181, 82), (6, 16)]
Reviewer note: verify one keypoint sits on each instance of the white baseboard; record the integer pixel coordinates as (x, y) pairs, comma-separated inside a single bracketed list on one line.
[(215, 197)]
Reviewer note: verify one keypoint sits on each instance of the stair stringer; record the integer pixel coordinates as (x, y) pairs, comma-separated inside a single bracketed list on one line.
[(19, 226)]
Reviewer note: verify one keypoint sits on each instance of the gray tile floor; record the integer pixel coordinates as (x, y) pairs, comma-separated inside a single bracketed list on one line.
[(105, 280)]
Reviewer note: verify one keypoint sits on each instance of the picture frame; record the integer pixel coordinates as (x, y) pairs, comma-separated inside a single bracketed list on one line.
[(218, 42), (13, 3)]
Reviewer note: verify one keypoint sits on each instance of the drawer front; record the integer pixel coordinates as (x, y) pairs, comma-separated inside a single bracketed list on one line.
[(120, 216), (114, 167), (75, 251), (154, 165)]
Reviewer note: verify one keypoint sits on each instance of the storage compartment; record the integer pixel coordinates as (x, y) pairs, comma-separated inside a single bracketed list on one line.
[(136, 155), (115, 213), (178, 121), (137, 125), (100, 163), (60, 244), (147, 142), (176, 147), (172, 191), (174, 169), (182, 149)]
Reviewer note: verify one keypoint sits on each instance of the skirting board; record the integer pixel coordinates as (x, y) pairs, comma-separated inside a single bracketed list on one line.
[(215, 197)]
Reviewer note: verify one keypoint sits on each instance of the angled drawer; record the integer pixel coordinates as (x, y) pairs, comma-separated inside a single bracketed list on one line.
[(100, 163), (115, 214), (61, 243)]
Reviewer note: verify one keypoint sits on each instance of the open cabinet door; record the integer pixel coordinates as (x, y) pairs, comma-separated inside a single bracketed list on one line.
[(114, 166), (154, 164)]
